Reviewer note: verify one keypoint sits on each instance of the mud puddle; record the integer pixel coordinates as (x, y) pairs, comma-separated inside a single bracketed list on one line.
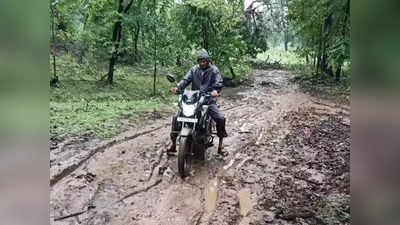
[(245, 203), (210, 195)]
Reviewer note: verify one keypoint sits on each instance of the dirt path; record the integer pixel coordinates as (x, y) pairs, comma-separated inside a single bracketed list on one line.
[(288, 164)]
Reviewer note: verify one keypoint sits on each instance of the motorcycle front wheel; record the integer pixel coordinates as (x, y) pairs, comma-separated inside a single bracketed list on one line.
[(184, 156)]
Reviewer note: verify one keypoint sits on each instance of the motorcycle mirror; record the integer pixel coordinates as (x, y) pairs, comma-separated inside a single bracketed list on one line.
[(171, 78)]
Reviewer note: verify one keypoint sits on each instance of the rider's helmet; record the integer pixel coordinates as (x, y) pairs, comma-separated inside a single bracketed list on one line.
[(203, 54)]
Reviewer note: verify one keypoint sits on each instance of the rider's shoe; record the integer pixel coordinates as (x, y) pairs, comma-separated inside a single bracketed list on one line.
[(221, 151)]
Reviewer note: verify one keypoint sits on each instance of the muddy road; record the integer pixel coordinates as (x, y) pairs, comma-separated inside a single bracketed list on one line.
[(288, 163)]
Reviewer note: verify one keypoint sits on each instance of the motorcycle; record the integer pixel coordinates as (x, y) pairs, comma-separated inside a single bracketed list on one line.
[(194, 127)]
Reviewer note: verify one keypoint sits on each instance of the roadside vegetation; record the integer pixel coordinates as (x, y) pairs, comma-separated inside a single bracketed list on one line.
[(83, 103), (108, 58)]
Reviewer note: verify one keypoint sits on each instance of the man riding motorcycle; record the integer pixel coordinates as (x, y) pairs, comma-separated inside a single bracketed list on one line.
[(204, 77)]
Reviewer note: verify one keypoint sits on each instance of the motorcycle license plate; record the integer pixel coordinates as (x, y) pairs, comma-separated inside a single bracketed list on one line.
[(188, 120)]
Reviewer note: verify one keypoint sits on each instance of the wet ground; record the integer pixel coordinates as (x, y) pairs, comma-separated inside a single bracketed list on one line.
[(288, 163)]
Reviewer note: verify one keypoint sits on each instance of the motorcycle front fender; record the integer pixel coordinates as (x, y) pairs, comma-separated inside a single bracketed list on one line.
[(185, 132)]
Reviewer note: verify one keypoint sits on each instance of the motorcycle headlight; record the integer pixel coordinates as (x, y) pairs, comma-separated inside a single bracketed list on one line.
[(188, 110)]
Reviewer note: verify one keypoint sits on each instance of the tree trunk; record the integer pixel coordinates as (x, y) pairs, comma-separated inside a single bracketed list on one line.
[(340, 64), (137, 31), (346, 18), (116, 38), (318, 65), (54, 80), (323, 62), (286, 39), (135, 41), (205, 36), (255, 26), (329, 71), (155, 50), (82, 47), (326, 32), (314, 60), (286, 45), (324, 57), (232, 72), (338, 72), (155, 67), (314, 56)]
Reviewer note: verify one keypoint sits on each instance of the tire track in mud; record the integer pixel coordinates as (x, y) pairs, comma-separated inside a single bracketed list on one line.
[(145, 180), (146, 187), (68, 170), (71, 168)]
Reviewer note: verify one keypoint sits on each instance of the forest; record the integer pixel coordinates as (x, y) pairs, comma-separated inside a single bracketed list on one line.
[(118, 51)]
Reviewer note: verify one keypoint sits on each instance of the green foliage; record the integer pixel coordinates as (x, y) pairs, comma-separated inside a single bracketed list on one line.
[(168, 35), (216, 26), (160, 31), (323, 30), (242, 70), (81, 103)]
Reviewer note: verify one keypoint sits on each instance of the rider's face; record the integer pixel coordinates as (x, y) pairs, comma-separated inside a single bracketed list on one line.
[(203, 63)]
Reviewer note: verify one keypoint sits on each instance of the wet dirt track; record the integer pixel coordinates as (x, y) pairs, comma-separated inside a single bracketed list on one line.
[(288, 163)]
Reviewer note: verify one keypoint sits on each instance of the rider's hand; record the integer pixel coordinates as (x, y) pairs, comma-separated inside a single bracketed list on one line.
[(174, 90), (214, 93)]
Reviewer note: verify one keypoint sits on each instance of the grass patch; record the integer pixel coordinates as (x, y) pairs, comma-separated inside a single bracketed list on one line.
[(278, 58), (81, 103), (282, 56)]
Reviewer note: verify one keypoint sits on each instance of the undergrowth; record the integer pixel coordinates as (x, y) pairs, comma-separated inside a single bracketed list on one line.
[(82, 103)]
